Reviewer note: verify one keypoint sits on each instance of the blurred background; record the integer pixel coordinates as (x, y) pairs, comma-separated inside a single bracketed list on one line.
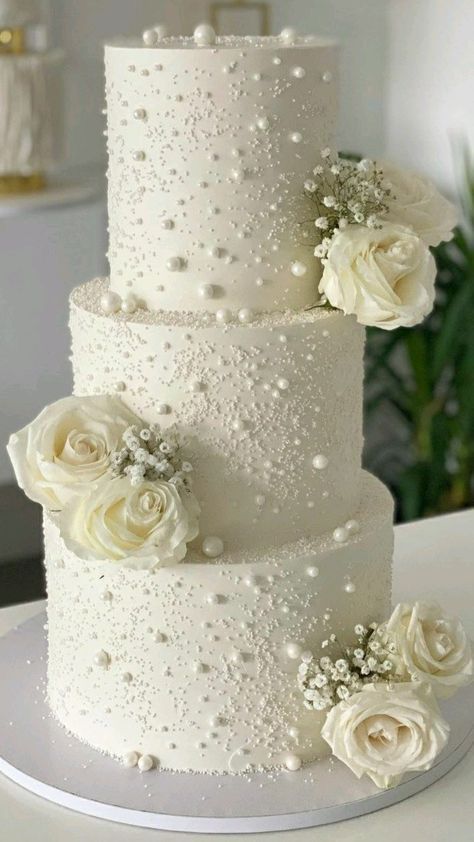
[(407, 91)]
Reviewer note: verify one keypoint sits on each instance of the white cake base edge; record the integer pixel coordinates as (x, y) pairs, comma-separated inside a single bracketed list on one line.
[(60, 769)]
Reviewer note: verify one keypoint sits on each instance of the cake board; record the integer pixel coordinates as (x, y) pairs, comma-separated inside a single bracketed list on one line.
[(38, 754)]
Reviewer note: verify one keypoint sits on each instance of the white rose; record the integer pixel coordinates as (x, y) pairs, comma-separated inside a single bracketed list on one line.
[(384, 276), (387, 730), (143, 526), (67, 447), (433, 647), (417, 204)]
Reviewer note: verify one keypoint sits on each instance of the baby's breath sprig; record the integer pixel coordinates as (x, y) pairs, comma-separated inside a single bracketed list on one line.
[(343, 193), (147, 455), (328, 680)]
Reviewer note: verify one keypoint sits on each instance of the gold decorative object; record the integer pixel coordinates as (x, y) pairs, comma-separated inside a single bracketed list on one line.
[(12, 40), (10, 184), (239, 17)]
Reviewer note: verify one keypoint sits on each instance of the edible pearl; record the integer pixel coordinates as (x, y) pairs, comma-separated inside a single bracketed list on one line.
[(102, 659), (293, 650), (312, 571), (293, 732), (167, 224), (340, 534), (292, 762), (161, 31), (263, 123), (320, 462), (174, 264), (139, 114), (213, 546), (127, 677), (298, 268), (288, 35), (145, 763), (197, 386), (110, 302), (296, 137), (260, 499), (282, 383), (245, 315), (213, 598), (352, 527), (150, 37), (298, 72), (139, 155), (349, 587), (198, 666), (206, 291), (129, 305), (163, 409), (327, 76), (204, 35), (119, 386), (223, 316), (130, 759)]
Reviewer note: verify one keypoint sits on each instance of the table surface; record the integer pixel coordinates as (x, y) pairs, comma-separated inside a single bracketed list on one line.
[(434, 559)]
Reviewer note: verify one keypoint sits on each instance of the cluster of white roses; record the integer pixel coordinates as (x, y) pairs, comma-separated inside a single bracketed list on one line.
[(383, 718), (375, 226), (65, 461)]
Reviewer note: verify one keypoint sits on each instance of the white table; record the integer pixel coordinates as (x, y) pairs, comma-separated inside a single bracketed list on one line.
[(433, 559)]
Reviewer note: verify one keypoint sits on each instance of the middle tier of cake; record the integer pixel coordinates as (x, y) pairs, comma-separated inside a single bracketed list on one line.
[(270, 411)]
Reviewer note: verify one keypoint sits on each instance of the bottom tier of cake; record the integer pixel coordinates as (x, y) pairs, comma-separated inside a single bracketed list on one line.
[(196, 664)]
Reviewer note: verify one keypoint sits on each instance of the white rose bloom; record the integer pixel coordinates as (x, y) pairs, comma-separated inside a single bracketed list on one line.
[(67, 447), (143, 527), (386, 730), (417, 204), (434, 648), (384, 276)]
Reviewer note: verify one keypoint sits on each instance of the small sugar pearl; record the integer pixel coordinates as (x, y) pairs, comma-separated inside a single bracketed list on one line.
[(288, 35), (139, 114), (282, 383), (327, 76), (119, 386), (150, 37), (127, 677), (263, 123), (260, 499), (206, 291), (292, 762), (245, 315), (198, 666), (110, 302), (276, 60), (204, 35), (298, 269), (130, 759), (349, 587), (129, 304), (167, 224), (102, 659), (161, 31), (340, 535), (163, 409), (139, 155), (223, 316), (352, 527), (174, 264), (197, 386), (312, 571), (293, 650), (106, 596), (296, 137), (320, 462), (293, 732), (298, 72), (213, 598), (145, 763), (212, 546)]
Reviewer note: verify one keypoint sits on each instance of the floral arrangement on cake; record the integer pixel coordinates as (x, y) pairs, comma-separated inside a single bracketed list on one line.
[(119, 488), (374, 226), (380, 694)]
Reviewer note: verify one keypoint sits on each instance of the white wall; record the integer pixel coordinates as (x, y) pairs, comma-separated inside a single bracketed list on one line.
[(430, 93)]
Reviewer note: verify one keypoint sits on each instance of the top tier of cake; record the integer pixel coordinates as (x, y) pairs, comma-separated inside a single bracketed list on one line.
[(209, 147)]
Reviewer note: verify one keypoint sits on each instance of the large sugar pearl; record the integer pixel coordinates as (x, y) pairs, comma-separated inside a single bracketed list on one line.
[(341, 535), (213, 546), (298, 268), (223, 316), (150, 37), (320, 462), (288, 35), (130, 759), (245, 315), (145, 763), (204, 35), (352, 527), (110, 302), (161, 31), (129, 305), (293, 650), (174, 264), (102, 659), (298, 72), (292, 762), (206, 291)]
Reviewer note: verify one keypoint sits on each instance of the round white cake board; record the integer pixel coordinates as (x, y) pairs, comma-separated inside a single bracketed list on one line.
[(38, 754)]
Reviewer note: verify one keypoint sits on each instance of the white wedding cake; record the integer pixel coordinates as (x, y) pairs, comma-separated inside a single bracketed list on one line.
[(178, 614)]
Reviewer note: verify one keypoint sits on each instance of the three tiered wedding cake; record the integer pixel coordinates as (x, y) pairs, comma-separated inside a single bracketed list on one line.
[(207, 520)]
